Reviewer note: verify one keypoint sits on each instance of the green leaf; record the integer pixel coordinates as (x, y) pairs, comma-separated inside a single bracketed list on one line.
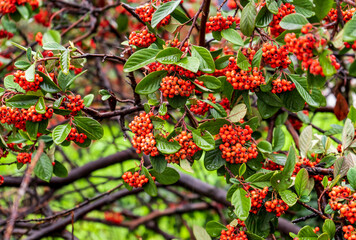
[(278, 139), (213, 125), (53, 46), (169, 55), (22, 64), (260, 180), (65, 61), (22, 9), (51, 36), (88, 99), (305, 140), (351, 115), (352, 69), (232, 36), (59, 169), (22, 101), (222, 62), (32, 129), (272, 6), (264, 18), (140, 58), (280, 182), (351, 177), (288, 197), (325, 63), (207, 64), (205, 142), (44, 168), (149, 187), (301, 181), (264, 147), (60, 133), (162, 109), (265, 110), (348, 133), (166, 147), (242, 61), (30, 73), (214, 228), (293, 21), (159, 163), (329, 228), (163, 11), (177, 101), (179, 16), (350, 31), (248, 17), (10, 84), (305, 95), (307, 233), (199, 232), (238, 112), (270, 98), (213, 159), (304, 7), (41, 106), (47, 84), (168, 177), (210, 82), (150, 83), (290, 163), (189, 63), (241, 203), (322, 8), (303, 117), (89, 127), (256, 61)]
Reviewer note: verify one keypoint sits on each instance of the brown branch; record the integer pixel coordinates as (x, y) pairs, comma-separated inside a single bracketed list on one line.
[(24, 184), (203, 21), (293, 132), (320, 214)]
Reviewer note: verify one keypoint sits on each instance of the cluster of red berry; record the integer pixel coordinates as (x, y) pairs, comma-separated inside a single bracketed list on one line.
[(219, 23), (188, 147), (245, 80), (349, 232), (202, 107), (342, 199), (1, 179), (257, 196), (283, 10), (225, 103), (43, 17), (346, 14), (135, 180), (248, 53), (174, 86), (19, 77), (5, 34), (175, 43), (39, 38), (277, 206), (233, 233), (296, 123), (114, 217), (73, 103), (234, 139), (350, 45), (274, 56), (13, 145), (279, 86), (145, 12), (302, 48), (308, 163), (75, 136), (270, 165), (13, 116), (142, 39), (9, 6), (172, 69), (143, 140), (306, 28), (32, 115), (24, 157)]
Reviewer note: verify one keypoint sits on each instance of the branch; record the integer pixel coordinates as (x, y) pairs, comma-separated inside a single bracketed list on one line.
[(293, 132), (203, 22)]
